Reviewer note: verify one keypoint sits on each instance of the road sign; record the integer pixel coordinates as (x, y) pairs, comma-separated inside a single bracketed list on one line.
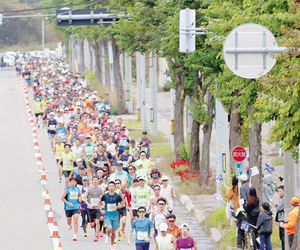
[(247, 50), (87, 17), (239, 169), (239, 154)]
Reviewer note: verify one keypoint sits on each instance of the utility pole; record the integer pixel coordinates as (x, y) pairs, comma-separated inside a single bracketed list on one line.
[(173, 98), (153, 94), (143, 89), (128, 79), (138, 84), (43, 34), (103, 65)]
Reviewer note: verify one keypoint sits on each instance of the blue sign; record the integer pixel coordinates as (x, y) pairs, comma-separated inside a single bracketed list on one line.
[(239, 169), (245, 226), (219, 178), (269, 169)]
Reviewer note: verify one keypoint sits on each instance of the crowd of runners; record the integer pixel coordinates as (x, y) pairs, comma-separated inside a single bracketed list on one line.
[(106, 175)]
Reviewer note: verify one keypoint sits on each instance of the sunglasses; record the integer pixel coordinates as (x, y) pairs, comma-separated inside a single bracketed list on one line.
[(136, 181), (143, 155), (164, 180), (130, 169), (142, 211), (118, 183), (161, 204), (156, 189), (171, 220)]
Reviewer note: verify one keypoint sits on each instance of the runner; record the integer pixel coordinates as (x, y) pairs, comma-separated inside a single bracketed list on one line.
[(164, 240), (122, 211), (83, 206), (51, 126), (173, 229), (185, 241), (145, 143), (71, 197), (160, 215), (120, 174), (108, 103), (59, 149), (167, 191), (89, 149), (144, 230), (134, 207), (92, 197), (110, 213), (99, 157), (38, 111), (67, 158)]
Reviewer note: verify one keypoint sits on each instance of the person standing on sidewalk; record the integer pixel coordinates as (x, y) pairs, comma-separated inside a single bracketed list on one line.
[(264, 226), (290, 226), (280, 214), (185, 241), (144, 229), (244, 189)]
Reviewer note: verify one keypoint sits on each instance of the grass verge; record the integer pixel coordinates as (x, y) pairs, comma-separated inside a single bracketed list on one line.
[(135, 124), (277, 161)]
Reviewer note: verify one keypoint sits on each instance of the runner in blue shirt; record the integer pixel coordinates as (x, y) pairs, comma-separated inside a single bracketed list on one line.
[(144, 229), (111, 215), (72, 197)]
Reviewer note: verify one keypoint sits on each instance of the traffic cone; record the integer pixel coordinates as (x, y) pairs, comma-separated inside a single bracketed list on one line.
[(43, 176), (47, 198), (34, 131), (39, 158), (59, 246), (50, 216), (55, 231), (36, 144)]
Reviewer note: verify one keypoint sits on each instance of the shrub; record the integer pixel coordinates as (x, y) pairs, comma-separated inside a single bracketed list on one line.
[(184, 149)]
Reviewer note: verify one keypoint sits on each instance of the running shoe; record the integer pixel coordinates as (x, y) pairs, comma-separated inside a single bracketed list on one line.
[(100, 234), (74, 238), (123, 234), (119, 237), (59, 181), (106, 240), (70, 227), (85, 234), (115, 241), (96, 239)]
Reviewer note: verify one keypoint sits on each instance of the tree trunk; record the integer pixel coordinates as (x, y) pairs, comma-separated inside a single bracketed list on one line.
[(207, 129), (122, 107), (91, 66), (235, 131), (296, 242), (178, 114), (98, 70), (194, 145), (80, 61), (255, 155), (106, 56)]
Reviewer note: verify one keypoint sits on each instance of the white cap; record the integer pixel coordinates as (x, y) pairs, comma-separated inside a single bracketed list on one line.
[(110, 120), (139, 163), (93, 96), (78, 104), (78, 160), (95, 92), (164, 178), (243, 177), (163, 227), (142, 178), (184, 225)]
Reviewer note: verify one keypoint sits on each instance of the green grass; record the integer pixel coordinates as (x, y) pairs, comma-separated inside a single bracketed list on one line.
[(136, 134), (162, 151), (135, 124), (218, 219), (229, 239), (275, 240), (277, 161)]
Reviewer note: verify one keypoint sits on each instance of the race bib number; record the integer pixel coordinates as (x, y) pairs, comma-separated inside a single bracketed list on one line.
[(123, 142), (73, 196), (94, 201), (186, 248), (143, 202), (61, 135), (145, 149), (107, 106), (125, 163), (158, 223), (67, 163), (101, 163), (111, 207), (142, 235), (52, 127)]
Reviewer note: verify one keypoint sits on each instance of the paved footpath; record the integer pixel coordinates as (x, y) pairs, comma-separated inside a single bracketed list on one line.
[(23, 223)]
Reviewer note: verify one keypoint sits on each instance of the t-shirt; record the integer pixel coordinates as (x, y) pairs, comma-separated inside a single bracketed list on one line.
[(67, 161), (175, 232), (89, 149), (142, 228), (110, 202), (72, 197), (86, 130)]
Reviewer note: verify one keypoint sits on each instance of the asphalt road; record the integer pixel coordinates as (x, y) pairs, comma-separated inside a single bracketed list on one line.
[(23, 217)]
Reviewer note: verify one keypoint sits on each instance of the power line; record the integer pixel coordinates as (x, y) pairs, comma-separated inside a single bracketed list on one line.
[(52, 7)]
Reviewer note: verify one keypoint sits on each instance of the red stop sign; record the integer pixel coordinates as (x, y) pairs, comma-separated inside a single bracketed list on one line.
[(239, 154)]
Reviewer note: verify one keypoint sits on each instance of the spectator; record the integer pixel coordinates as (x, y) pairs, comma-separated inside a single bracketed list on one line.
[(232, 193), (264, 226), (290, 226), (252, 210), (268, 189), (240, 216), (280, 213), (244, 189)]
